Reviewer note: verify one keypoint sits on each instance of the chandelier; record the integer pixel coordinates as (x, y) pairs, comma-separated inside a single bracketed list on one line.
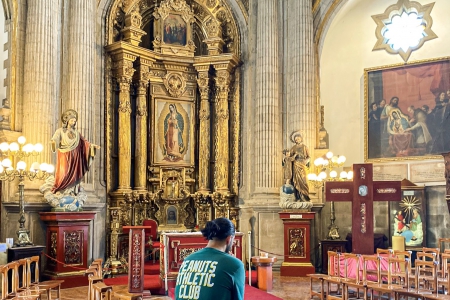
[(326, 168), (9, 173)]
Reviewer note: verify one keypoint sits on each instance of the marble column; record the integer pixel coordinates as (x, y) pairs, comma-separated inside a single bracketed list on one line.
[(41, 65), (204, 132), (140, 157), (267, 116), (124, 74), (78, 88), (299, 63)]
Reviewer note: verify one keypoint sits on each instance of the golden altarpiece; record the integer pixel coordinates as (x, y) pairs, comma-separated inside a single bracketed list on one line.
[(173, 81)]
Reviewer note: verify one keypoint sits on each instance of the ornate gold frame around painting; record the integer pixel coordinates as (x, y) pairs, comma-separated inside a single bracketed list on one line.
[(185, 110), (369, 96)]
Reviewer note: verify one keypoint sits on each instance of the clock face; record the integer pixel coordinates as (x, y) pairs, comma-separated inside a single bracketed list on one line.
[(363, 190)]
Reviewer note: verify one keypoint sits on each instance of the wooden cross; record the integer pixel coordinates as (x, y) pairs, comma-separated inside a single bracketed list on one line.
[(362, 191)]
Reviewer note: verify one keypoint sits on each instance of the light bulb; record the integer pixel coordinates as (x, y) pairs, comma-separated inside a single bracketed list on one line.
[(50, 168), (6, 163), (1, 169), (333, 174), (4, 146), (38, 147), (350, 175), (14, 147), (21, 165), (317, 162), (28, 148), (343, 175), (329, 154), (34, 167), (322, 175), (334, 159), (342, 159), (21, 140), (312, 177), (43, 167)]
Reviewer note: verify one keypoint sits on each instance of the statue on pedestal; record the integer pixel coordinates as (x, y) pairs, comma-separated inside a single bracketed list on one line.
[(295, 164), (74, 156)]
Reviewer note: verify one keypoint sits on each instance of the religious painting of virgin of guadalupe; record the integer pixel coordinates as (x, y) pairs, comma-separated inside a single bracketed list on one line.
[(407, 110), (173, 139), (174, 30)]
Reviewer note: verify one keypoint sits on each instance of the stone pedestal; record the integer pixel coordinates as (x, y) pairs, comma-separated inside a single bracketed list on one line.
[(67, 244), (297, 243)]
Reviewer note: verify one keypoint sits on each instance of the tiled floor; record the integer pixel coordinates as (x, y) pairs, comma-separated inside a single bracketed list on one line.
[(287, 288)]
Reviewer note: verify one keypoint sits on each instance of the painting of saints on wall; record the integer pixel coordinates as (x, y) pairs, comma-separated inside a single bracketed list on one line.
[(407, 110), (408, 221), (174, 30), (173, 131)]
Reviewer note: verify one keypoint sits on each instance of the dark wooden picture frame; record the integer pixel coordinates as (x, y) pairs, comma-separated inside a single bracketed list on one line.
[(407, 115)]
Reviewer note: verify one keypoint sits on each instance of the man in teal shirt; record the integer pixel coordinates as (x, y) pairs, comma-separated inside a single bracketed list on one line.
[(212, 273)]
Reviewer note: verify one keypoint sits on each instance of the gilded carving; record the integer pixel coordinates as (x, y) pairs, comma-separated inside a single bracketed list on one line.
[(73, 247), (297, 242), (169, 188), (175, 84), (54, 248), (211, 3), (185, 252), (212, 28)]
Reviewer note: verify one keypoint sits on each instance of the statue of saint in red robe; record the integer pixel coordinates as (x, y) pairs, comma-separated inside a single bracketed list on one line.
[(74, 154)]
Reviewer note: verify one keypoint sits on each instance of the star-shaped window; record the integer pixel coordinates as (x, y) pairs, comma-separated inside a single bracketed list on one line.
[(404, 27)]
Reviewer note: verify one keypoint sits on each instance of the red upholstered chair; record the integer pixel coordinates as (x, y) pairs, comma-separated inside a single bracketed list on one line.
[(151, 238)]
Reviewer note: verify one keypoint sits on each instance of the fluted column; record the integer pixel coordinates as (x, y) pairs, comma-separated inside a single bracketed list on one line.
[(41, 65), (124, 73), (267, 126), (140, 157), (204, 139), (78, 88), (299, 62)]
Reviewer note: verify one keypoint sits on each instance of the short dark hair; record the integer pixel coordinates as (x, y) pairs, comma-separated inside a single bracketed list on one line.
[(220, 228)]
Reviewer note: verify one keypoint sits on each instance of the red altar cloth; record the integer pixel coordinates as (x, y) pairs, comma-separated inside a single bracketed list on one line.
[(351, 270)]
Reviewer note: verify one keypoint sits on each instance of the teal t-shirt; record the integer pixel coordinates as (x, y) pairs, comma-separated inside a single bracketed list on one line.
[(210, 274)]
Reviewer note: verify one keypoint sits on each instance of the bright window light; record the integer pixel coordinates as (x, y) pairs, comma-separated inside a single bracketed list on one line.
[(405, 31)]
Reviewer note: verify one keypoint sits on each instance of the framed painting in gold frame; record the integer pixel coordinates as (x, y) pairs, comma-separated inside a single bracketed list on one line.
[(173, 138), (407, 111)]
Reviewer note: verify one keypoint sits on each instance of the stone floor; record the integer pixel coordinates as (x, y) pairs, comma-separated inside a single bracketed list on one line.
[(287, 288)]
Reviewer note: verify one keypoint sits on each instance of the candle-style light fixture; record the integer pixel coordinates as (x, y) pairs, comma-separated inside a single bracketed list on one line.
[(326, 169), (18, 150)]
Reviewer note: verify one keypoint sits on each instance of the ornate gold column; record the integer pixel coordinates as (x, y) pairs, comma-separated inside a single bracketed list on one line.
[(221, 138), (123, 74), (204, 135), (140, 157)]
